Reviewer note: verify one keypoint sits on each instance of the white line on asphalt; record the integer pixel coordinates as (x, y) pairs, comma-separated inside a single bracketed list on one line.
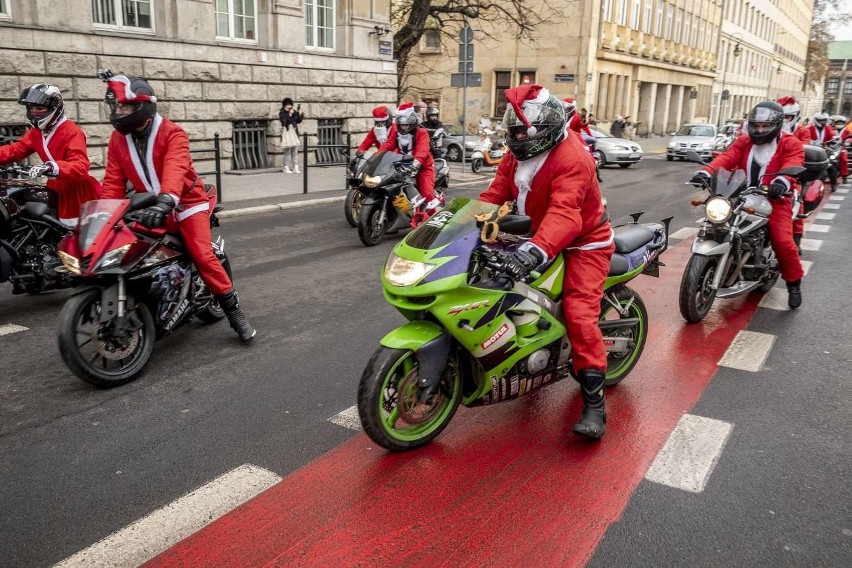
[(810, 244), (776, 298), (842, 190), (9, 328), (348, 418), (272, 208), (690, 453), (151, 535), (814, 228), (825, 216), (831, 206), (837, 198), (685, 233), (748, 351)]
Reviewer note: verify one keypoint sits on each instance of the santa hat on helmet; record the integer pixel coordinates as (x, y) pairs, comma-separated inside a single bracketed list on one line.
[(131, 89), (405, 109), (381, 113), (789, 105), (522, 96)]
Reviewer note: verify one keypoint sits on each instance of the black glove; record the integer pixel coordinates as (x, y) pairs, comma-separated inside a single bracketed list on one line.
[(776, 190), (522, 262), (700, 178), (153, 216)]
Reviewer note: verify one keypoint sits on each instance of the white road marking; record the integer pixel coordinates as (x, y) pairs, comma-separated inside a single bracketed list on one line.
[(690, 453), (831, 206), (151, 535), (348, 418), (842, 190), (837, 198), (775, 299), (814, 228), (810, 244), (685, 233), (9, 328), (826, 216), (748, 351)]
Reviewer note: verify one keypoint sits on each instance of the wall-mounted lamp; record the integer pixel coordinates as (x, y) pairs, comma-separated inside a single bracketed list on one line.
[(737, 50), (778, 71), (380, 31)]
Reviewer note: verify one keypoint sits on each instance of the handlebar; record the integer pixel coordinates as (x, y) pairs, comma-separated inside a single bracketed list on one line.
[(16, 170)]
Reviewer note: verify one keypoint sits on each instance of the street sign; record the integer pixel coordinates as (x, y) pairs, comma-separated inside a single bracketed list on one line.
[(465, 52), (563, 78), (466, 64), (473, 80), (385, 47), (466, 35)]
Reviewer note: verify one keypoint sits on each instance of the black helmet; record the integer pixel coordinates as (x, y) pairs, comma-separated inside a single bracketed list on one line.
[(432, 113), (43, 95), (541, 128), (406, 120), (766, 112), (127, 90)]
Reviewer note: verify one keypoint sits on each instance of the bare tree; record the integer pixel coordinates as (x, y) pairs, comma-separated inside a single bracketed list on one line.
[(412, 19), (827, 14)]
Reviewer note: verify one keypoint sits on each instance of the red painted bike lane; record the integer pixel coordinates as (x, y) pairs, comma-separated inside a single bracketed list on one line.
[(505, 485)]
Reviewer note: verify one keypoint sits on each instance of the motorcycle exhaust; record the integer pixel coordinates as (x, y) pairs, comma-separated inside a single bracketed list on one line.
[(618, 324)]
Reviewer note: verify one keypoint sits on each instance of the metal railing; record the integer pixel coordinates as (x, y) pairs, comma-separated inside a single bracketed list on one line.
[(329, 136), (335, 155), (217, 160), (249, 144)]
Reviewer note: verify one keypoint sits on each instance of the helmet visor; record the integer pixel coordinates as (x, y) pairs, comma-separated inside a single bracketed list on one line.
[(764, 115), (36, 97), (536, 114)]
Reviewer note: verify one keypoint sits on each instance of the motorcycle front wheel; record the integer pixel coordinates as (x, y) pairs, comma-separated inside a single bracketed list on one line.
[(371, 230), (389, 404), (620, 363), (696, 287), (98, 353), (352, 206), (476, 165)]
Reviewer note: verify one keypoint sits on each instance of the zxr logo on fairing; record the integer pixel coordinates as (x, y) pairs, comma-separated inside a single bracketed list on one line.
[(458, 309)]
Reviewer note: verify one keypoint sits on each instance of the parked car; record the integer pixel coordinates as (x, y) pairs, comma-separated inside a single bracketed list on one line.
[(698, 137), (453, 143), (614, 150)]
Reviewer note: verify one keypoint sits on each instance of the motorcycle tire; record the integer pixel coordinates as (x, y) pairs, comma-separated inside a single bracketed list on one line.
[(620, 365), (214, 312), (696, 297), (352, 206), (391, 378), (370, 231), (476, 165), (84, 308)]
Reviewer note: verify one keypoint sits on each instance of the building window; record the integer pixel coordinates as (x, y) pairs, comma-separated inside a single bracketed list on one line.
[(431, 41), (847, 87), (502, 81), (832, 86), (676, 36), (647, 13), (621, 12), (685, 39), (319, 23), (119, 13), (658, 23), (634, 15), (4, 11), (236, 19), (607, 10), (669, 18)]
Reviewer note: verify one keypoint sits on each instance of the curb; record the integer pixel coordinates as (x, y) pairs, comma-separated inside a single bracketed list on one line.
[(277, 207)]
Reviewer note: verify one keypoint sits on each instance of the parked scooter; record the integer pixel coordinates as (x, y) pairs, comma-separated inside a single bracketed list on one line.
[(484, 156)]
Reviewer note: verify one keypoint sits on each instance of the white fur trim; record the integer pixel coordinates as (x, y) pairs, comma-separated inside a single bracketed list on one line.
[(45, 139), (154, 185), (524, 175)]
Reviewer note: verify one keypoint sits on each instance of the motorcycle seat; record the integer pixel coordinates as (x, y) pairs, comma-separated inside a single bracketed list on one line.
[(628, 238)]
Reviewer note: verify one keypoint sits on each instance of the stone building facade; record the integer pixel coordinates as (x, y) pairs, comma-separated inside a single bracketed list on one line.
[(213, 63), (838, 80)]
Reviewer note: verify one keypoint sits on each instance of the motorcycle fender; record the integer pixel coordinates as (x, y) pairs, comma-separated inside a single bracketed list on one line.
[(370, 199), (710, 248), (109, 299), (476, 154), (431, 344)]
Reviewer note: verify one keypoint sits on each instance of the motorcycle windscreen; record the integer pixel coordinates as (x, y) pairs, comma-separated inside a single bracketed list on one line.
[(727, 182), (94, 216), (455, 220), (381, 163)]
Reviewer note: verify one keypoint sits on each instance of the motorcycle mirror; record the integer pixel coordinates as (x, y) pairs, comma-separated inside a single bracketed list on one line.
[(142, 200)]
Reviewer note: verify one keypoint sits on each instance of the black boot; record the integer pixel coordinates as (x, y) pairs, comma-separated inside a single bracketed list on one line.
[(593, 421), (231, 304), (798, 240), (794, 294)]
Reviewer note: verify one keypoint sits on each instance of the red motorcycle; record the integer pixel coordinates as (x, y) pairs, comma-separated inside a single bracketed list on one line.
[(137, 286)]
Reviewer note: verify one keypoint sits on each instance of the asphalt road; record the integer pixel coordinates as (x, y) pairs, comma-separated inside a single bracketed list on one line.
[(77, 463)]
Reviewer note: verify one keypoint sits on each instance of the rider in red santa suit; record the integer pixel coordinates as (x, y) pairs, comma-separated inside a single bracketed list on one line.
[(552, 180), (61, 145), (152, 153), (382, 130), (820, 131), (412, 139), (839, 124), (767, 149), (791, 120)]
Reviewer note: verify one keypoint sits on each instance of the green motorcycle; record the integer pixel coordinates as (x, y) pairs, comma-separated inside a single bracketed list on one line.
[(476, 336)]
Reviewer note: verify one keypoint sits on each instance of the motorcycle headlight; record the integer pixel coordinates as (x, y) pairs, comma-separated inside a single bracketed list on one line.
[(71, 263), (718, 209), (112, 258), (372, 181), (402, 272)]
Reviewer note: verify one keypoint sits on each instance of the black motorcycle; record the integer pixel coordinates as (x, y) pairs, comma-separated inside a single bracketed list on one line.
[(833, 148), (29, 234), (390, 198)]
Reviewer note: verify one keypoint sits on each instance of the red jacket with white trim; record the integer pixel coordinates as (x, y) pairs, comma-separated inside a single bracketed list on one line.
[(371, 139), (167, 163), (821, 137), (66, 146), (564, 200), (789, 152), (422, 150), (803, 133), (576, 124)]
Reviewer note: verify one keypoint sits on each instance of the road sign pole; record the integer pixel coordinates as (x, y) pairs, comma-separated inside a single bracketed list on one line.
[(464, 115)]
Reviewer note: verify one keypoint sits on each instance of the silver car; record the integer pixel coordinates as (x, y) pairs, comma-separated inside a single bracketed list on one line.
[(452, 143), (698, 137), (614, 150)]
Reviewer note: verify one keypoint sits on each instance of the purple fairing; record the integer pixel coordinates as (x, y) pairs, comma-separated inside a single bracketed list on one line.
[(461, 249)]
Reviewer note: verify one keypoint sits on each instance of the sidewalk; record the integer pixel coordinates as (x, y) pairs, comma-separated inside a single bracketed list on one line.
[(653, 145)]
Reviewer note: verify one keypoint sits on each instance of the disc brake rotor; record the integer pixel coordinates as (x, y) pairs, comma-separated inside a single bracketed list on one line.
[(116, 348), (411, 410)]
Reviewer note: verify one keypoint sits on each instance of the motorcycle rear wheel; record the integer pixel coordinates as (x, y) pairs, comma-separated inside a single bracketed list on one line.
[(94, 354), (370, 231), (388, 400), (476, 165), (352, 206), (620, 365), (696, 295)]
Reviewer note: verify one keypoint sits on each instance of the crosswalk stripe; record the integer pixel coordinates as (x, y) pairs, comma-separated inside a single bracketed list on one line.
[(685, 233), (690, 453), (814, 228), (842, 190), (810, 244), (825, 216), (348, 418), (151, 535), (9, 328), (831, 206), (837, 198), (748, 351)]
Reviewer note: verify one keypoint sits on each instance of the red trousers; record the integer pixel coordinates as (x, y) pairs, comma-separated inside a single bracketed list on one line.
[(781, 238), (843, 162), (197, 238), (426, 183), (582, 292)]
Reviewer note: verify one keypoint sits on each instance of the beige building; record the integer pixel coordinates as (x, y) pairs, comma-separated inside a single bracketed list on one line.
[(218, 66), (654, 60)]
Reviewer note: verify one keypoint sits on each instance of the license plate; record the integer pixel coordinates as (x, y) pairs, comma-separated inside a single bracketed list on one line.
[(634, 156)]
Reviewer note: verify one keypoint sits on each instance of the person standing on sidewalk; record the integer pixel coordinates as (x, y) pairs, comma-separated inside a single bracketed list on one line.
[(290, 119)]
